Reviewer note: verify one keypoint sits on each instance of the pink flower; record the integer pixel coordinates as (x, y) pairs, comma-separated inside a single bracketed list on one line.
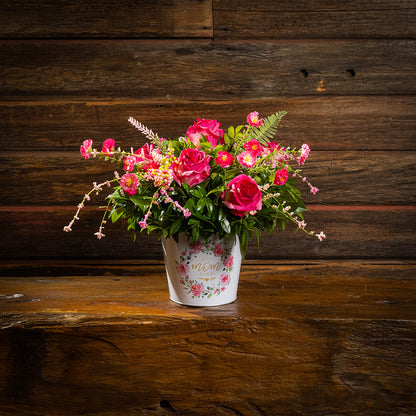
[(242, 196), (273, 146), (246, 159), (254, 147), (86, 149), (182, 268), (225, 279), (253, 119), (108, 147), (129, 162), (224, 159), (314, 190), (321, 236), (197, 247), (197, 289), (192, 167), (304, 154), (281, 177), (218, 250), (229, 262), (209, 128), (129, 183), (145, 151), (147, 154)]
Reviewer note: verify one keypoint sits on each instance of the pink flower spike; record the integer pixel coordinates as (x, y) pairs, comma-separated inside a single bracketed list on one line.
[(253, 119), (143, 224), (304, 154), (321, 236), (301, 224), (86, 149), (314, 190), (100, 234)]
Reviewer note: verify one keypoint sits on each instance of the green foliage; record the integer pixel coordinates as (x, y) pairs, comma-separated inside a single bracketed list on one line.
[(162, 205), (268, 128)]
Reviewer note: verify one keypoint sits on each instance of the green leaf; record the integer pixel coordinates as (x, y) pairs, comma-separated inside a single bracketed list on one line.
[(225, 224), (231, 132), (200, 205), (174, 228), (115, 215)]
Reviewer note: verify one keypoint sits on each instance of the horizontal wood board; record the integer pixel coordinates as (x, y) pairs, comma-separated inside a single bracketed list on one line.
[(304, 19), (362, 233), (205, 70), (325, 123), (105, 18), (293, 343), (219, 18)]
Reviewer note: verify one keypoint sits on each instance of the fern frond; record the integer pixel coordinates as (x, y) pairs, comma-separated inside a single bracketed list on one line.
[(267, 130)]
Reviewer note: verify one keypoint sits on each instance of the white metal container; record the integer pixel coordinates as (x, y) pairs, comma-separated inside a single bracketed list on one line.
[(202, 274)]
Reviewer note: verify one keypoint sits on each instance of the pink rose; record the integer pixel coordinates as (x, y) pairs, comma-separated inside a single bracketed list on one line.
[(229, 261), (225, 279), (197, 247), (182, 268), (281, 177), (86, 149), (129, 183), (192, 167), (108, 147), (218, 250), (242, 196), (224, 159), (253, 119), (209, 128), (197, 289)]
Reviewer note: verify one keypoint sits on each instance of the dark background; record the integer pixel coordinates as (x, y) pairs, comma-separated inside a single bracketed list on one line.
[(344, 71)]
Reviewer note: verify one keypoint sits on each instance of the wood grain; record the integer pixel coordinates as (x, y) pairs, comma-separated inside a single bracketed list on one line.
[(351, 234), (104, 18), (365, 178), (302, 19), (205, 70), (325, 123), (291, 345)]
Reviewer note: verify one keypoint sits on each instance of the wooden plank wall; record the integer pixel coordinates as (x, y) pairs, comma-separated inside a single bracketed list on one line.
[(344, 71)]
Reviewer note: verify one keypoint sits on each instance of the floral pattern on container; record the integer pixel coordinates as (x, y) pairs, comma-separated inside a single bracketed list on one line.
[(195, 274)]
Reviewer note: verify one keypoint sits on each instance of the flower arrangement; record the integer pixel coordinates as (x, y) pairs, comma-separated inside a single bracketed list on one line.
[(208, 181)]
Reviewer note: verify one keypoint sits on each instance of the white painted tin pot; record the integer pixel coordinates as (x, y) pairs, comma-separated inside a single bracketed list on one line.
[(202, 274)]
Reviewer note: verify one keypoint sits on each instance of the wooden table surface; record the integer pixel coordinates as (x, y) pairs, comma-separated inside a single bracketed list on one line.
[(312, 339)]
